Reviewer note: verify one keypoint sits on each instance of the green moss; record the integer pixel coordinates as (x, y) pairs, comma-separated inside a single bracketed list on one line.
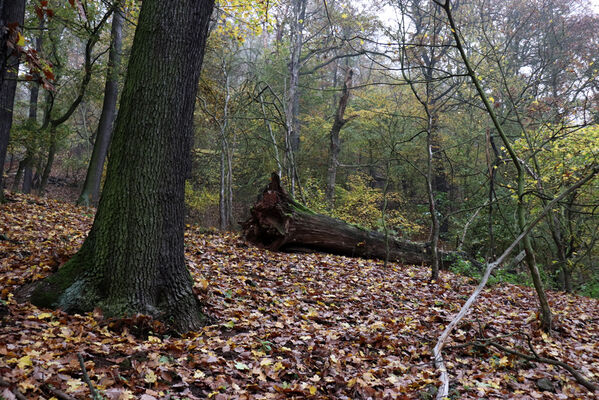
[(300, 207), (49, 291)]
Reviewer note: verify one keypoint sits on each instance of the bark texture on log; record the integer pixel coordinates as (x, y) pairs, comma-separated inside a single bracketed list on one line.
[(280, 223)]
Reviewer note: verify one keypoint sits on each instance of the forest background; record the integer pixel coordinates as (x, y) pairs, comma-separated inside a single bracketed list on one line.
[(364, 109)]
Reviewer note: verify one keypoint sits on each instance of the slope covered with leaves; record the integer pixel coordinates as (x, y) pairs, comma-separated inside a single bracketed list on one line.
[(304, 326)]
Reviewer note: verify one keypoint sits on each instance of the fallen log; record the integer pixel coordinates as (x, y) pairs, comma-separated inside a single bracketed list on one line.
[(280, 223)]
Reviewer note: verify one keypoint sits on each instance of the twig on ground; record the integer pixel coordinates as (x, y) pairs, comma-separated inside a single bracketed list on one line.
[(92, 390), (484, 343), (14, 391), (577, 375), (57, 393)]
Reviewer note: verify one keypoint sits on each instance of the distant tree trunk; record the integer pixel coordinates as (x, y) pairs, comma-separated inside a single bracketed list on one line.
[(53, 123), (222, 197), (556, 234), (275, 147), (11, 11), (226, 170), (50, 159), (11, 162), (33, 106), (434, 233), (18, 176), (27, 174), (292, 109), (335, 146), (133, 259), (91, 187)]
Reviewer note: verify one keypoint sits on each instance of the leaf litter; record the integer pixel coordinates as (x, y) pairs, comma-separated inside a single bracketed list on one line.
[(281, 326)]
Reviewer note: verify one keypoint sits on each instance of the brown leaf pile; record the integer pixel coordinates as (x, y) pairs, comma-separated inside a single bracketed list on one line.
[(284, 326)]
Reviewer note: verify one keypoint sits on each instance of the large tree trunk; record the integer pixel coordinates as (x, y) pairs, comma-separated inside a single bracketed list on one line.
[(91, 187), (133, 259), (278, 222), (11, 11)]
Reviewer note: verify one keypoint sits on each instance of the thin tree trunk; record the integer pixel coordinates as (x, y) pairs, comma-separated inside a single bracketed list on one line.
[(27, 174), (225, 168), (230, 187), (33, 106), (335, 146), (272, 137), (133, 259), (11, 162), (91, 187), (292, 109), (492, 173), (10, 12), (53, 123), (18, 176), (49, 160), (222, 198), (434, 233)]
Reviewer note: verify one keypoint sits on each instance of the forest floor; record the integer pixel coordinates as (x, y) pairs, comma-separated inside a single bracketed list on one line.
[(283, 326)]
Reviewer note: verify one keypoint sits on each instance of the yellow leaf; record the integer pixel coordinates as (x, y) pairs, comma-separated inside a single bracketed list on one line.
[(24, 362), (312, 390), (491, 99), (279, 366), (20, 40), (503, 361), (44, 315), (545, 337), (74, 384), (198, 375), (203, 284), (266, 361), (150, 377)]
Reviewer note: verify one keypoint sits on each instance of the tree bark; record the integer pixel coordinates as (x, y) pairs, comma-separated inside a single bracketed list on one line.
[(12, 11), (279, 223), (133, 258), (335, 146), (91, 187)]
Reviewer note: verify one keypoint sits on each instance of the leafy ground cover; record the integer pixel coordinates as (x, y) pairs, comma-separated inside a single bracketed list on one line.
[(282, 326)]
